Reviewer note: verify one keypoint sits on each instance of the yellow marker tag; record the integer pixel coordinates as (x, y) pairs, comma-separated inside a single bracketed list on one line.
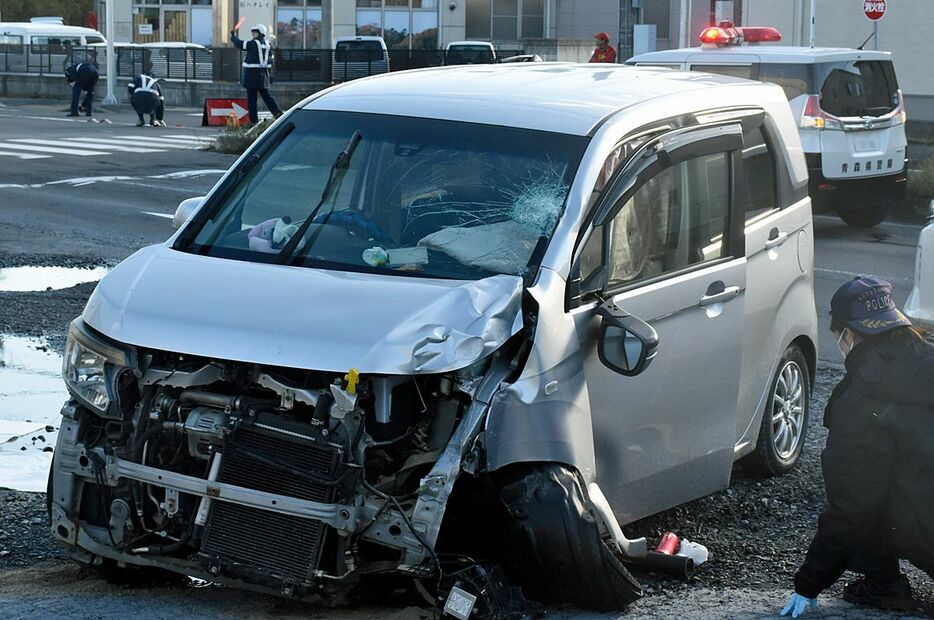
[(352, 378)]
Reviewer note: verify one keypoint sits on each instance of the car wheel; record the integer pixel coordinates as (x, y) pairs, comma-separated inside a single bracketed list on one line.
[(553, 545), (864, 217), (785, 419)]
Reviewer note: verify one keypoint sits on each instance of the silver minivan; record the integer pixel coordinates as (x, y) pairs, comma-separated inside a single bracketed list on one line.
[(417, 324)]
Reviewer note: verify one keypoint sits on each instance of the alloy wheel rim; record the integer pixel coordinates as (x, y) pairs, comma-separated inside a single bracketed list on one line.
[(788, 403)]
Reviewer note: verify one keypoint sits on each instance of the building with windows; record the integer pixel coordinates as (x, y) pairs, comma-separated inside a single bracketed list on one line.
[(410, 24)]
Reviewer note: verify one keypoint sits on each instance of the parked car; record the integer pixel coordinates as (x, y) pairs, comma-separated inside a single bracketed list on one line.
[(508, 321), (469, 53), (850, 112), (42, 46), (356, 57)]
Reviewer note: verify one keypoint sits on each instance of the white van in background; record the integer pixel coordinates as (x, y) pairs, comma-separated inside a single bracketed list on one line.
[(357, 57), (851, 114), (41, 46)]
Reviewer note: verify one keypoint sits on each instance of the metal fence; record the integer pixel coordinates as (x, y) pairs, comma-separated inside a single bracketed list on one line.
[(188, 63)]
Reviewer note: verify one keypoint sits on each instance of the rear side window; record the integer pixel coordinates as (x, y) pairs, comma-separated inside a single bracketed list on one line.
[(795, 80), (92, 40), (740, 71), (857, 88), (11, 43), (758, 182), (358, 51)]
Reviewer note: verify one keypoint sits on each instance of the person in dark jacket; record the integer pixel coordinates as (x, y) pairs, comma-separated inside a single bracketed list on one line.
[(146, 98), (256, 70), (879, 460), (81, 77)]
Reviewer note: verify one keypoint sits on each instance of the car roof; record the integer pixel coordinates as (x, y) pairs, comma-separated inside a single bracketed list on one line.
[(48, 28), (766, 53), (477, 43), (558, 97)]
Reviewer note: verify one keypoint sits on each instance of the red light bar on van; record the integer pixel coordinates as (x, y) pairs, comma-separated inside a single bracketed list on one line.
[(725, 33)]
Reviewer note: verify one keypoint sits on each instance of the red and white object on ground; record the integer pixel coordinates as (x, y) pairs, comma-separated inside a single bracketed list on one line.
[(218, 111), (668, 544), (725, 33), (874, 9)]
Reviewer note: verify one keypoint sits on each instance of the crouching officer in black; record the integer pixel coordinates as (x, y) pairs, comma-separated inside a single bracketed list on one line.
[(256, 70), (146, 98), (81, 77), (878, 464)]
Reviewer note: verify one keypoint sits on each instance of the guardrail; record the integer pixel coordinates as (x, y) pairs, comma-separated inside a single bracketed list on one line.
[(186, 62)]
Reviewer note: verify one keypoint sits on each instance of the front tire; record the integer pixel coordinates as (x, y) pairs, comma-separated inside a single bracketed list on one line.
[(785, 419), (554, 547)]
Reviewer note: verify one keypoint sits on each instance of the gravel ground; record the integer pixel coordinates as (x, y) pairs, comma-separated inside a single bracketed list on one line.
[(757, 532)]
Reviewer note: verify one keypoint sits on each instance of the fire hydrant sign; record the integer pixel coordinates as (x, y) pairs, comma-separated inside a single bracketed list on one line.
[(874, 9), (224, 111)]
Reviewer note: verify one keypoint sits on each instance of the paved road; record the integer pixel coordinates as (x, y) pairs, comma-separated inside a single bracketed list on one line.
[(96, 190)]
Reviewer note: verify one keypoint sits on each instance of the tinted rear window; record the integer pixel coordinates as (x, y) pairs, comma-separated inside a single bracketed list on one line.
[(857, 88), (358, 51)]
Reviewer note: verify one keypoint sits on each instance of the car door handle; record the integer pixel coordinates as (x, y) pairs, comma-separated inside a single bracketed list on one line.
[(725, 295), (775, 239)]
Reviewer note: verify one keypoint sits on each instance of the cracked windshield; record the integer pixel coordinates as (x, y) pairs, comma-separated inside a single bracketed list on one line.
[(364, 192)]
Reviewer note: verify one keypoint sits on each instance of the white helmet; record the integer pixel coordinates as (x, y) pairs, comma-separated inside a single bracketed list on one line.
[(260, 29)]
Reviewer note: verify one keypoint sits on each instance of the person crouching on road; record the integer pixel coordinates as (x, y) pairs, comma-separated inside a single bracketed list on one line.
[(81, 77), (604, 52), (146, 98), (879, 460), (256, 70)]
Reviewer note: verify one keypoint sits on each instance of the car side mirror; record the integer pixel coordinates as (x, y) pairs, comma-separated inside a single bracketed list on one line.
[(185, 211), (627, 344)]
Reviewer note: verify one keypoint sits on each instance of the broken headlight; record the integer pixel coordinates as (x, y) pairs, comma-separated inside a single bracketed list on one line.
[(90, 366)]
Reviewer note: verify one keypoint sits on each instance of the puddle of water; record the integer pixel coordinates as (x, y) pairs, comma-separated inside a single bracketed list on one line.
[(21, 279), (31, 395)]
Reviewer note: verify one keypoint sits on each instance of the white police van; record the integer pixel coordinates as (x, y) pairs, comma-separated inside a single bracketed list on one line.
[(850, 112)]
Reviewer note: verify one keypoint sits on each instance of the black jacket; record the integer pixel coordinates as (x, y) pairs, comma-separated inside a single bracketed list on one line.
[(143, 82), (878, 464), (82, 74), (257, 62)]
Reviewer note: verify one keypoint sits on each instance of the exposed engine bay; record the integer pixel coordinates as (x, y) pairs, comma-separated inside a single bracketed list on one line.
[(288, 481)]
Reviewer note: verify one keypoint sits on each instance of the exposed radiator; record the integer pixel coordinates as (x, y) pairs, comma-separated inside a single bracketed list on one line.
[(280, 547)]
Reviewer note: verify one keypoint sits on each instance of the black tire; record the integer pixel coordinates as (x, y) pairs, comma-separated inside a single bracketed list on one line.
[(553, 545), (768, 459), (864, 217)]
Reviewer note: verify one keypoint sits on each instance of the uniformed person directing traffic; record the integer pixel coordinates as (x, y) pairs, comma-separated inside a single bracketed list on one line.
[(256, 70)]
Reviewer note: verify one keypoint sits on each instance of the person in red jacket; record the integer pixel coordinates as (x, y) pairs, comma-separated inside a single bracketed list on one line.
[(604, 52)]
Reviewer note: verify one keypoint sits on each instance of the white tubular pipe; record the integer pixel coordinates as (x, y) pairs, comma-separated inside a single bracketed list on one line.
[(685, 37), (812, 34), (110, 99)]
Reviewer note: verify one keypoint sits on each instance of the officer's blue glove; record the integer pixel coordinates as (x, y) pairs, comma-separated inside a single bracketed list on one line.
[(797, 605)]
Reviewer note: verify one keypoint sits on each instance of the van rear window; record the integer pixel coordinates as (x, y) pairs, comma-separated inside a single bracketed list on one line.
[(358, 51), (857, 88)]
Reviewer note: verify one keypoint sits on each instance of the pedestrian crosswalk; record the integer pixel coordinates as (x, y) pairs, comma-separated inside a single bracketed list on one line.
[(100, 145)]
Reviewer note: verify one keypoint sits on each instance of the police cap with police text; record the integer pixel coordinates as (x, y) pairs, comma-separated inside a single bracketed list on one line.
[(865, 305)]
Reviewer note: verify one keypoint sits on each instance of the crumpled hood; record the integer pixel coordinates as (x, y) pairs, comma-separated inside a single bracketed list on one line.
[(303, 318)]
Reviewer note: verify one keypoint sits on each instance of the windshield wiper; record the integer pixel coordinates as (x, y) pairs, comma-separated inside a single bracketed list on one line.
[(335, 175)]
